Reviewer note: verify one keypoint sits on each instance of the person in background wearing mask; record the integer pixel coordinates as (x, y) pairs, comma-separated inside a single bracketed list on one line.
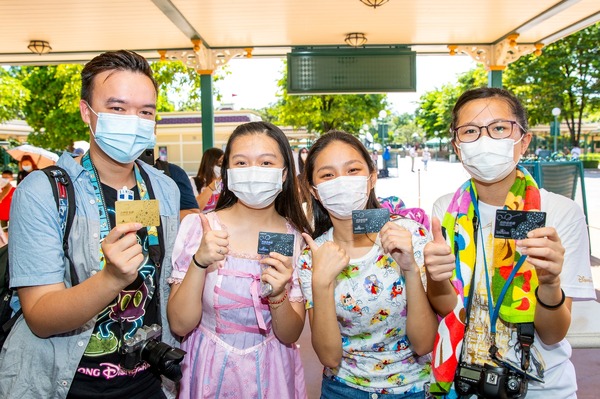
[(372, 326), (239, 335), (302, 154), (67, 343), (26, 166), (6, 193), (207, 183), (497, 294)]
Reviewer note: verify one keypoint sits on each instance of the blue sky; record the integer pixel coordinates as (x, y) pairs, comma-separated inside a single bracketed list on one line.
[(253, 82)]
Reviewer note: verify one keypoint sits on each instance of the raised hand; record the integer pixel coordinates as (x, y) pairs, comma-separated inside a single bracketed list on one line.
[(545, 252), (397, 241), (123, 253), (278, 274), (439, 259), (214, 245), (328, 261)]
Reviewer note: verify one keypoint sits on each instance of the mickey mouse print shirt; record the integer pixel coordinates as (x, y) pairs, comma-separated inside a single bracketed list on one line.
[(371, 311)]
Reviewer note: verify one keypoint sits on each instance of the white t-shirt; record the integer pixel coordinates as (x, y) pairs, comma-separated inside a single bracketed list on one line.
[(371, 310), (576, 281)]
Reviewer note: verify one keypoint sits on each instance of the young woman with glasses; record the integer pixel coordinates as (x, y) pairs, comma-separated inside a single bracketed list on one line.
[(494, 293)]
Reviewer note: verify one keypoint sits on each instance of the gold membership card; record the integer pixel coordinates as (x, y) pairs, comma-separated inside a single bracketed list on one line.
[(144, 212)]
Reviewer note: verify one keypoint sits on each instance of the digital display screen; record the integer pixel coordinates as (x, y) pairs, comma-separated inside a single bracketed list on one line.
[(470, 374)]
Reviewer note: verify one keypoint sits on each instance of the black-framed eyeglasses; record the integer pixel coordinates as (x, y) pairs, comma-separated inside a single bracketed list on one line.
[(496, 130)]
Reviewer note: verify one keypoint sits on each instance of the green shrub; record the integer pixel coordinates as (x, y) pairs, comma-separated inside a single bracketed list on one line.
[(590, 161)]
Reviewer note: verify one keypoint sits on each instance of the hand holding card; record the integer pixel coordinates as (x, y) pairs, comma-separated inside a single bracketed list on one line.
[(369, 220), (516, 224), (273, 242)]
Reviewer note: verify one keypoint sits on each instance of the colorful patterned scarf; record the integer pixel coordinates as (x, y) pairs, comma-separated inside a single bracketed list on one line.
[(518, 305)]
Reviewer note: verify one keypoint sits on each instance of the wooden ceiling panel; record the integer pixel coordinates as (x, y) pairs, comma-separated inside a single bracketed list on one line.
[(77, 30)]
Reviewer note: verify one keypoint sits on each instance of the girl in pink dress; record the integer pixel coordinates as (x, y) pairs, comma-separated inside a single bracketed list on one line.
[(240, 313)]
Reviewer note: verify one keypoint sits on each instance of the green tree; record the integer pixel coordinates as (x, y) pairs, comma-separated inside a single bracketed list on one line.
[(403, 128), (52, 108), (13, 96), (321, 113), (435, 107), (566, 75), (179, 86)]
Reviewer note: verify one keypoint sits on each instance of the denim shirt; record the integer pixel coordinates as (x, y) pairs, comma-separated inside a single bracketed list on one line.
[(33, 367)]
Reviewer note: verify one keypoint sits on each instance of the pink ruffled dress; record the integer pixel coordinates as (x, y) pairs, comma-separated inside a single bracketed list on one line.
[(233, 352)]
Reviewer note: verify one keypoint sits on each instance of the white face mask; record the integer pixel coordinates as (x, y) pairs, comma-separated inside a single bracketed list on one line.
[(3, 182), (343, 195), (217, 171), (488, 160), (27, 168), (256, 187), (123, 137)]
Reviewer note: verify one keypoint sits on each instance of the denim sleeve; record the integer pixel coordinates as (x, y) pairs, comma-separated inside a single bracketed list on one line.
[(35, 239)]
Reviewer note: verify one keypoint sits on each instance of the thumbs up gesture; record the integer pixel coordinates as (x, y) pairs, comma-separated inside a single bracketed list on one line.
[(213, 246), (328, 261), (439, 259)]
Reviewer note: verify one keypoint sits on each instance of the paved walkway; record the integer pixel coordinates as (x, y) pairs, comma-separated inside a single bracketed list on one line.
[(420, 189)]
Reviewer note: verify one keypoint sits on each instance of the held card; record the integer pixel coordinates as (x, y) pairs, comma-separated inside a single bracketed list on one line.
[(516, 224), (144, 212), (275, 242), (369, 220)]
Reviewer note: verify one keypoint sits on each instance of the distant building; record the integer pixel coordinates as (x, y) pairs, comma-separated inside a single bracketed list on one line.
[(15, 129), (181, 134)]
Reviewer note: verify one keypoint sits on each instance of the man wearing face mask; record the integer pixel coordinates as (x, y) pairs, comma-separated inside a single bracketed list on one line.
[(70, 341), (505, 300)]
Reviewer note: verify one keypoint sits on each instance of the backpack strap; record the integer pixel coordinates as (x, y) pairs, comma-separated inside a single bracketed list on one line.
[(64, 195)]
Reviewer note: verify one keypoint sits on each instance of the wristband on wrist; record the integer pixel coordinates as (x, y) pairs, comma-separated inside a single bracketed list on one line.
[(198, 264), (279, 302), (558, 305)]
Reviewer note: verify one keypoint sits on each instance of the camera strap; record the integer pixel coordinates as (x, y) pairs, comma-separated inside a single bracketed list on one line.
[(525, 331), (525, 335)]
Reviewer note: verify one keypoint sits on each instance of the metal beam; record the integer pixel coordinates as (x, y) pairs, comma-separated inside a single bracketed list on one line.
[(178, 19)]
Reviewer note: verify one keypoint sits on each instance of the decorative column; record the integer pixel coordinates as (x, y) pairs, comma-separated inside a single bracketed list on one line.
[(496, 57), (205, 61)]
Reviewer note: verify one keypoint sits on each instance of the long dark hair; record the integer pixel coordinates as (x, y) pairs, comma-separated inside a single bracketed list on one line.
[(287, 203), (320, 216), (300, 160), (206, 174)]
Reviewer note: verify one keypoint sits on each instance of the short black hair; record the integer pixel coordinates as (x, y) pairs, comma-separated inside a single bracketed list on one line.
[(121, 60)]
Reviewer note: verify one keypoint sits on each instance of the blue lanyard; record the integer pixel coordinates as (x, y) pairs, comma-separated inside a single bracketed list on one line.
[(494, 310), (105, 228)]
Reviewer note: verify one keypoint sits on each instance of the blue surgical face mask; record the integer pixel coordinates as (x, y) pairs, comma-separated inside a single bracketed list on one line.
[(123, 137)]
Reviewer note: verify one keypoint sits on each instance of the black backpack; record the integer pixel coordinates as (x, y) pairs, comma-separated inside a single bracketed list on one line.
[(64, 194)]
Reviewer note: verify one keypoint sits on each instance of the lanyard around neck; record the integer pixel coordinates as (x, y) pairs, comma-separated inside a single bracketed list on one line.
[(493, 309), (105, 228)]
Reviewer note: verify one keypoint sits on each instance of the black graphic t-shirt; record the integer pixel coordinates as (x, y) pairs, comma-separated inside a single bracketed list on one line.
[(99, 374)]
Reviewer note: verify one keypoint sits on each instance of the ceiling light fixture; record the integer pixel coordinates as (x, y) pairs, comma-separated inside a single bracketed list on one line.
[(355, 39), (374, 3), (39, 47)]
